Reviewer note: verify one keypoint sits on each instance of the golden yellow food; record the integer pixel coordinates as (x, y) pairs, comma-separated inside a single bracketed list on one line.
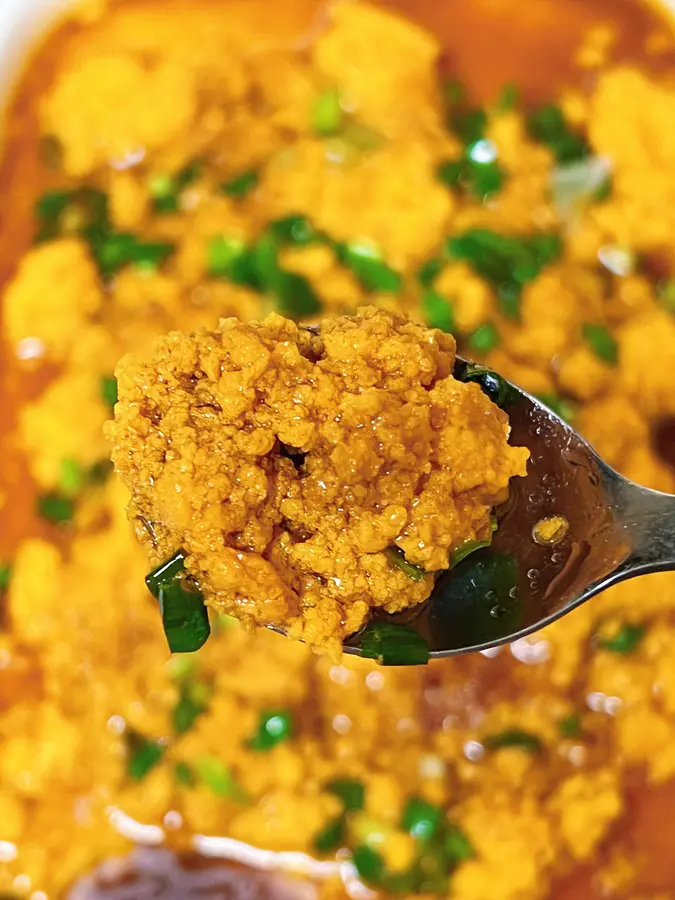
[(175, 151), (396, 453)]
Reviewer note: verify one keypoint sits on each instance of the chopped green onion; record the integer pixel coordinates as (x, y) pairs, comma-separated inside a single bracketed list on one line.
[(397, 558), (331, 837), (486, 180), (457, 845), (327, 113), (365, 261), (485, 338), (548, 126), (229, 257), (429, 272), (295, 296), (52, 204), (497, 388), (452, 173), (513, 737), (665, 291), (100, 471), (184, 617), (625, 641), (265, 255), (508, 98), (241, 185), (454, 91), (189, 708), (438, 311), (166, 573), (295, 229), (72, 477), (108, 389), (220, 780), (604, 190), (465, 549), (507, 263), (350, 790), (118, 249), (570, 726), (143, 754), (469, 125), (562, 407), (166, 189), (420, 818), (185, 777), (393, 645), (368, 863), (83, 211), (602, 343), (55, 508), (5, 576), (274, 726)]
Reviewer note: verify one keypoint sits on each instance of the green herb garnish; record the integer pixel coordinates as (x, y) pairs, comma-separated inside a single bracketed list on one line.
[(429, 272), (190, 706), (625, 641), (368, 863), (185, 777), (485, 338), (72, 477), (5, 576), (437, 311), (513, 737), (331, 837), (296, 230), (350, 791), (327, 113), (184, 615), (548, 126), (457, 845), (55, 508), (465, 549), (143, 754), (602, 343), (365, 261), (469, 125), (108, 389), (497, 388), (570, 726), (397, 558), (274, 726), (452, 173), (507, 263), (231, 258), (82, 212), (241, 185), (508, 98), (218, 777), (119, 249), (420, 818), (393, 645), (295, 297), (166, 189)]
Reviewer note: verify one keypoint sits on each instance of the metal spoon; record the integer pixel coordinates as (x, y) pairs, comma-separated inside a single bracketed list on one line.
[(615, 530)]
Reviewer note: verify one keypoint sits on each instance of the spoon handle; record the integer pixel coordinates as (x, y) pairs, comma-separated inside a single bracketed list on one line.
[(647, 519)]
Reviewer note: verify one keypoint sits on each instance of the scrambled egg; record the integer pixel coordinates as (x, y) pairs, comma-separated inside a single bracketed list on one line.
[(395, 453)]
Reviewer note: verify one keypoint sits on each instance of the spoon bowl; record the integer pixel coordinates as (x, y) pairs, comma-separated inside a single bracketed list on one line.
[(609, 529)]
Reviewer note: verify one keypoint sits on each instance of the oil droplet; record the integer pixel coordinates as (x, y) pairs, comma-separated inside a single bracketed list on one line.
[(513, 592), (497, 612), (532, 574), (550, 530), (491, 595)]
